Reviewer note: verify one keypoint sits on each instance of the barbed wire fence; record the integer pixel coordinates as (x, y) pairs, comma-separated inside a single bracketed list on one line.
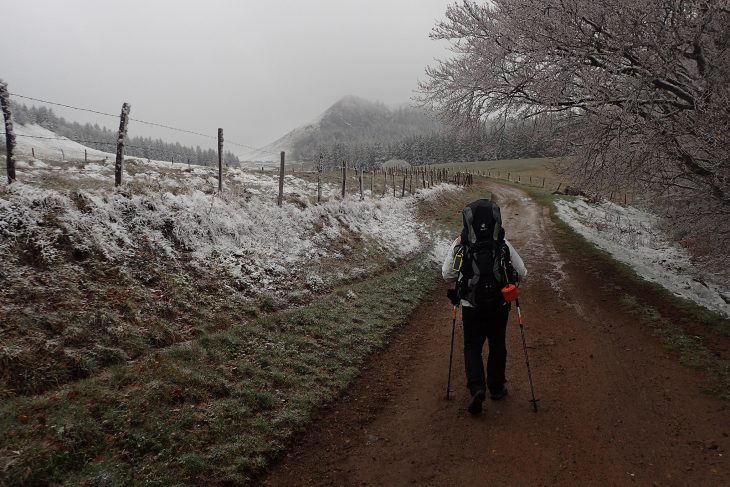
[(428, 177), (399, 180)]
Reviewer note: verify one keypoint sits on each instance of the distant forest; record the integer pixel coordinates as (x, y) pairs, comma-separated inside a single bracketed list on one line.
[(515, 140), (366, 134), (101, 138)]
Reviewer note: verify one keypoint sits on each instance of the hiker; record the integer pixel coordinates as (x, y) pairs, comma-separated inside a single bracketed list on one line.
[(482, 262)]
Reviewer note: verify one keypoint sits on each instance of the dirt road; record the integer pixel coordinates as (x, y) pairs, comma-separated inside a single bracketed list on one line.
[(615, 407)]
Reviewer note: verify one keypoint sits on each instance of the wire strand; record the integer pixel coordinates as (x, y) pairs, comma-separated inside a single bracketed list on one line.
[(130, 146), (154, 124), (65, 106)]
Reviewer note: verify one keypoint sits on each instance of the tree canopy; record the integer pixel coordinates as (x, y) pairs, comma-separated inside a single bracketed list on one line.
[(637, 90)]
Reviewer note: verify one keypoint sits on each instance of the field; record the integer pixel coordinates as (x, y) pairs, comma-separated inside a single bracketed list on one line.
[(539, 167)]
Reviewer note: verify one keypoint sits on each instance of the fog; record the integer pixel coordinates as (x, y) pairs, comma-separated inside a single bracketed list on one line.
[(255, 68)]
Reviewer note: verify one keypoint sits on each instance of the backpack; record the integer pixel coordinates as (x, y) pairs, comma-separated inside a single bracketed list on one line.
[(486, 265)]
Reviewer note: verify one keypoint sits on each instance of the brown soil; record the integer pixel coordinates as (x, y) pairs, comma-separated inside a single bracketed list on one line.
[(616, 408)]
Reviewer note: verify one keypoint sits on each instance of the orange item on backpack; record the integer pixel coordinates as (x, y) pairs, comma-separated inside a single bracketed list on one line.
[(510, 293)]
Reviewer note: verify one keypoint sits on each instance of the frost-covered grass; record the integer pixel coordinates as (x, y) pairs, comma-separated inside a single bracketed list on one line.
[(166, 333), (213, 411), (93, 276), (633, 237)]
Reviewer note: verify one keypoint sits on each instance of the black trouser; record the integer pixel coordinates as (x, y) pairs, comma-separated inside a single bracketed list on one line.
[(480, 324)]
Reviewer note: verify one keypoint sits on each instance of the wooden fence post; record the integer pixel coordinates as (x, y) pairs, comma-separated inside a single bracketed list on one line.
[(385, 181), (220, 159), (9, 133), (392, 175), (372, 182), (120, 143), (86, 157), (281, 179), (319, 177), (362, 195), (403, 189), (410, 183), (32, 151), (344, 178), (543, 182)]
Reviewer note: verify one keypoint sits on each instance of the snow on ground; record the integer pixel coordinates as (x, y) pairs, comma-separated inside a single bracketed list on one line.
[(632, 237), (45, 144), (176, 212)]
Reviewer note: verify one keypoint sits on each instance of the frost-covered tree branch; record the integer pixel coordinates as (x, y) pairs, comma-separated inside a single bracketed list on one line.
[(638, 89)]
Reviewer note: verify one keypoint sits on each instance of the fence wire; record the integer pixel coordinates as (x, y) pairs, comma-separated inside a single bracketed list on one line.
[(146, 122)]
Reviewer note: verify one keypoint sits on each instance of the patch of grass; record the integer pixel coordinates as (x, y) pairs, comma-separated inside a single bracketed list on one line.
[(214, 410), (690, 348), (269, 303)]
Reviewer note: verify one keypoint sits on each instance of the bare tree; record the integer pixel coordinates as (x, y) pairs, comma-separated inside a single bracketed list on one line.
[(637, 90)]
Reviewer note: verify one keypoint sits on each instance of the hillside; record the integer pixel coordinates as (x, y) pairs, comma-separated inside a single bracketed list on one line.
[(351, 120)]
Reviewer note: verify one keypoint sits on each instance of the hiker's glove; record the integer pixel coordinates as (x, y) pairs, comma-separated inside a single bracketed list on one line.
[(453, 297)]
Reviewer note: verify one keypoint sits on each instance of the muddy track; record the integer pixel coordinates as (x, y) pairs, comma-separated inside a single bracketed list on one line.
[(615, 407)]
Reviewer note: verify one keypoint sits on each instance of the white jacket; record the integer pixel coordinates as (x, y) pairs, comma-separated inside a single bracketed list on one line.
[(450, 275)]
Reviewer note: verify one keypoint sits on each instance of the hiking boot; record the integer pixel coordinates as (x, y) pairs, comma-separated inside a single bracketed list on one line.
[(496, 396), (475, 406)]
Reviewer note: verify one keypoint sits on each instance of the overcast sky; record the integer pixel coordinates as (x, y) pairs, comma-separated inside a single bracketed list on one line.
[(257, 68)]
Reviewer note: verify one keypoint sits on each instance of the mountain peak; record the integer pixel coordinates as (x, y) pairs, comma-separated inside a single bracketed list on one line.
[(350, 120)]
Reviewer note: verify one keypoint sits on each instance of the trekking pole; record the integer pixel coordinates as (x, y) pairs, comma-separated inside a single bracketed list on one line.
[(451, 354), (527, 359), (511, 293)]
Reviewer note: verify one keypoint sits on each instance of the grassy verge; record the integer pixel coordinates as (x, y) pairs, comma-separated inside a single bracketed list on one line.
[(690, 348), (213, 411), (683, 326)]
